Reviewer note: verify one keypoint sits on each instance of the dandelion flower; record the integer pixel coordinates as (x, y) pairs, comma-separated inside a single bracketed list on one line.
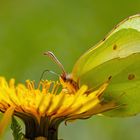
[(43, 108)]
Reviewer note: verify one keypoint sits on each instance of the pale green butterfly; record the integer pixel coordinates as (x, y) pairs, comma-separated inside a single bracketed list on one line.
[(116, 56)]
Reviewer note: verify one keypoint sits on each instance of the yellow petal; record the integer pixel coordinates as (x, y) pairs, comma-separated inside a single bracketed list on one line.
[(6, 118)]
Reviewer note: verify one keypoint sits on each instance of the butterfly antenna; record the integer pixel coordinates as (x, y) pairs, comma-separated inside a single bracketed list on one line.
[(53, 57), (52, 72)]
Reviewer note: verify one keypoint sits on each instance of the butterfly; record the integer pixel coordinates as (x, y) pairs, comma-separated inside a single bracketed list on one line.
[(117, 56)]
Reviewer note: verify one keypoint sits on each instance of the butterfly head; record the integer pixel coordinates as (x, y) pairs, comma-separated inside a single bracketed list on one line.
[(66, 80), (68, 83)]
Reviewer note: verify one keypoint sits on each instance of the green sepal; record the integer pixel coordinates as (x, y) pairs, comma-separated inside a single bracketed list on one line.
[(16, 129)]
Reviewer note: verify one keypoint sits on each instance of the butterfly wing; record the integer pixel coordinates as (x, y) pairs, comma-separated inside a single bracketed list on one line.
[(117, 56)]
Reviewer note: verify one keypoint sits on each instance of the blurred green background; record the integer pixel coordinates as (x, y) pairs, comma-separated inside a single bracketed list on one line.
[(68, 28)]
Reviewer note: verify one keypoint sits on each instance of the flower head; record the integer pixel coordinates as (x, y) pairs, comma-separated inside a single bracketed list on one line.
[(44, 107)]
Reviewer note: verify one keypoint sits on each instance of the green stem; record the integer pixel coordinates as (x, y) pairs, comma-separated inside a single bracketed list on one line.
[(44, 129)]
